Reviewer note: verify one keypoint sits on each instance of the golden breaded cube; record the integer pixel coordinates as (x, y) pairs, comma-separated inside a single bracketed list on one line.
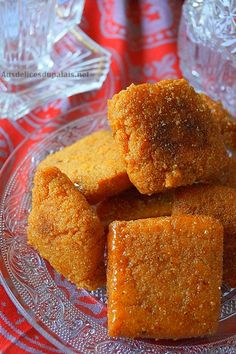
[(227, 176), (218, 202), (230, 174), (131, 205), (94, 164), (226, 122), (166, 134), (164, 277), (65, 230)]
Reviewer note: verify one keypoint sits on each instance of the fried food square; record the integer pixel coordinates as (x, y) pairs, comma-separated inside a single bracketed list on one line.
[(230, 174), (227, 175), (164, 277), (94, 164), (224, 120), (65, 230), (218, 202), (166, 134), (131, 205)]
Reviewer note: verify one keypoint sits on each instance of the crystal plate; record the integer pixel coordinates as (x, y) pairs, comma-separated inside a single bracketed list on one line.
[(73, 319)]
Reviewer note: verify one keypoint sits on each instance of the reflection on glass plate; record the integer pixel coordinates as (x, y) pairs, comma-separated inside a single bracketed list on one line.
[(72, 319)]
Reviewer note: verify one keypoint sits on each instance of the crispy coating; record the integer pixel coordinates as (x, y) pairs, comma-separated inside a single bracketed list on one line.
[(230, 174), (227, 175), (64, 229), (225, 121), (131, 205), (94, 164), (218, 202), (164, 277), (166, 134)]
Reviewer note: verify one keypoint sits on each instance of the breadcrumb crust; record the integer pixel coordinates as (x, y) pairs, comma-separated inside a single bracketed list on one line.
[(218, 202), (94, 164), (166, 134), (65, 230), (164, 277)]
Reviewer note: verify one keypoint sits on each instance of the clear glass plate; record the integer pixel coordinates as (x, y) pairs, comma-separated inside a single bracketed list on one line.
[(72, 319)]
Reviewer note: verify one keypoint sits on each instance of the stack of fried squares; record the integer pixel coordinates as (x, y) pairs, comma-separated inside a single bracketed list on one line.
[(160, 190)]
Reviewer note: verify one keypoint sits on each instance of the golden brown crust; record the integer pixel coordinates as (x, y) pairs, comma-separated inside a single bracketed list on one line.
[(166, 134), (218, 202), (230, 174), (226, 122), (164, 277), (131, 205), (65, 230), (94, 164), (227, 175)]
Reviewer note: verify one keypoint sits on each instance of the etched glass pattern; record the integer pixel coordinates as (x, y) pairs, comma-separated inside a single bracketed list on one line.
[(207, 48), (43, 57), (78, 64)]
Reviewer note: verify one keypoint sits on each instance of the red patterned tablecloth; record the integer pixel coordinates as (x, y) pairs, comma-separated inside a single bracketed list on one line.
[(141, 36)]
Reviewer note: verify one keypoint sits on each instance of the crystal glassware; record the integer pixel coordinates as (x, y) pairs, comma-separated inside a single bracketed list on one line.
[(69, 13), (207, 48), (44, 55), (26, 29)]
